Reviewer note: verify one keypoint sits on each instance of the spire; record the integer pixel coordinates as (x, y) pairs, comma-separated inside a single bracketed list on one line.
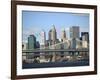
[(53, 27)]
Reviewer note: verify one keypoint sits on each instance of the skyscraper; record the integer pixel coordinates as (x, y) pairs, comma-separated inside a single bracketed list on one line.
[(63, 35), (49, 35), (42, 43), (31, 42), (74, 32), (52, 41), (52, 36), (31, 46), (73, 43), (85, 39), (85, 36), (43, 38), (54, 33)]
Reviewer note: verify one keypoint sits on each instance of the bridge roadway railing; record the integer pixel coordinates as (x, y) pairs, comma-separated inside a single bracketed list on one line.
[(55, 50), (50, 51)]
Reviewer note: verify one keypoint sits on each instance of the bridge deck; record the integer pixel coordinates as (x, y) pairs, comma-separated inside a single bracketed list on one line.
[(55, 50)]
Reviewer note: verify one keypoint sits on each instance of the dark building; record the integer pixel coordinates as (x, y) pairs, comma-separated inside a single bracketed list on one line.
[(85, 36), (37, 44), (49, 35), (31, 46), (37, 47), (31, 42), (81, 38)]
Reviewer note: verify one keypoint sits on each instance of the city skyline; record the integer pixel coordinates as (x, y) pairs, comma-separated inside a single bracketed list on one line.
[(53, 43), (66, 33), (33, 23), (33, 43), (55, 37)]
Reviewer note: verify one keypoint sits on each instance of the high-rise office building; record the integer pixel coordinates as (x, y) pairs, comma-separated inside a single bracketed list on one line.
[(31, 42), (43, 38), (52, 41), (73, 43), (54, 33), (85, 39), (74, 32), (42, 43), (31, 46), (63, 35), (85, 36), (52, 36), (49, 35)]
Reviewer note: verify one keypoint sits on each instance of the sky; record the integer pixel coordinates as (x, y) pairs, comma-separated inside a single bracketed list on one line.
[(33, 22)]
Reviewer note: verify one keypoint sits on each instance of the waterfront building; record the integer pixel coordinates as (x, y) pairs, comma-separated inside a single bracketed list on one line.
[(49, 35), (31, 42), (31, 46), (53, 33), (43, 38), (73, 43), (63, 35), (37, 47), (42, 43), (78, 43), (74, 32), (85, 44), (85, 39), (85, 36), (52, 41)]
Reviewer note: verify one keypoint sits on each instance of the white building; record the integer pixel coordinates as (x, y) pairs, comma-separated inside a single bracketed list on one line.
[(63, 35), (84, 44), (42, 43)]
